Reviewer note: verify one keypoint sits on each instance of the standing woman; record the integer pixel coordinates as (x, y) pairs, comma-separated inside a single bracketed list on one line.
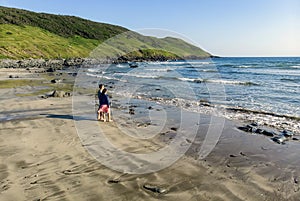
[(101, 87), (104, 106)]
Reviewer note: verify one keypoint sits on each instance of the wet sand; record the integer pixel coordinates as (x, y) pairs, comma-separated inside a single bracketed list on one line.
[(43, 158)]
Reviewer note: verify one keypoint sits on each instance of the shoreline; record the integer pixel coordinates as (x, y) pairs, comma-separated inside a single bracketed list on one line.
[(76, 62), (43, 157)]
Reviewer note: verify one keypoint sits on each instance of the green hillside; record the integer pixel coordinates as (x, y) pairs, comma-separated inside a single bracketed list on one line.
[(26, 34), (33, 42)]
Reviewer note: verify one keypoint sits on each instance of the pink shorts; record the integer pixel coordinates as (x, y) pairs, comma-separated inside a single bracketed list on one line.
[(104, 108)]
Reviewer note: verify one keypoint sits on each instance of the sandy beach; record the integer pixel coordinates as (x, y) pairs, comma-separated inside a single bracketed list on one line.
[(43, 158)]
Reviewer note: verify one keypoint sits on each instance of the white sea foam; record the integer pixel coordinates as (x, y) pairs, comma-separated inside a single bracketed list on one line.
[(226, 82), (101, 76), (181, 62), (93, 75), (159, 70), (245, 66), (230, 82), (93, 70), (209, 70), (122, 66), (189, 79), (139, 75), (246, 115)]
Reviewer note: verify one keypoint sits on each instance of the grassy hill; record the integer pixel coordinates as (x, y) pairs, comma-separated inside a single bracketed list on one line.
[(25, 34)]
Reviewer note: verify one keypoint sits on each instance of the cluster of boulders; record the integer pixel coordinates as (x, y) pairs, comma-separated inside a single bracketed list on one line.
[(60, 62), (131, 109), (13, 76), (57, 94), (38, 63), (54, 81), (42, 63), (52, 63), (279, 137)]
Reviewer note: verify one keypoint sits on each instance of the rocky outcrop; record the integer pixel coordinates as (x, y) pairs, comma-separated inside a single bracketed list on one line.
[(53, 64), (280, 137), (57, 94), (26, 63)]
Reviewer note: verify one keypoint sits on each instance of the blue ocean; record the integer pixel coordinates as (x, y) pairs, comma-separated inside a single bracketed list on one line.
[(263, 89)]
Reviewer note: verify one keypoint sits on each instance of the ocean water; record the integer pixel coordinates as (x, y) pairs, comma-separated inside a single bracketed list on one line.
[(260, 86)]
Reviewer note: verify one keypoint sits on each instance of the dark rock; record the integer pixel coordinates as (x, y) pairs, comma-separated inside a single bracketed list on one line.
[(294, 138), (113, 181), (72, 74), (131, 106), (279, 139), (204, 103), (259, 131), (50, 70), (188, 140), (232, 156), (242, 154), (144, 124), (73, 62), (253, 129), (68, 94), (154, 189), (67, 172), (268, 133), (59, 94), (50, 94), (131, 111), (247, 128), (150, 108), (187, 105), (55, 81), (43, 96), (287, 133), (174, 129), (34, 182), (198, 81), (13, 76), (254, 124)]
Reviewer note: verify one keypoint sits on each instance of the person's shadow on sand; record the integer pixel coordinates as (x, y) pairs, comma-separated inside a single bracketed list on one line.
[(59, 116), (66, 116)]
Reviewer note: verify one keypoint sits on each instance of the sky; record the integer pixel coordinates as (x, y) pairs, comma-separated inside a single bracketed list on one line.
[(221, 27)]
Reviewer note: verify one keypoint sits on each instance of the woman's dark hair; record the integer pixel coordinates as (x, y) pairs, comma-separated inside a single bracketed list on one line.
[(100, 86), (104, 90)]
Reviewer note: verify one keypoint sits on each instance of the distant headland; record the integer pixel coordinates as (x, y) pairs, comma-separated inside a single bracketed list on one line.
[(34, 39)]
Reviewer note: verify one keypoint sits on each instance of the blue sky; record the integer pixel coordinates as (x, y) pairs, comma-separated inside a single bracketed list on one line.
[(222, 27)]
